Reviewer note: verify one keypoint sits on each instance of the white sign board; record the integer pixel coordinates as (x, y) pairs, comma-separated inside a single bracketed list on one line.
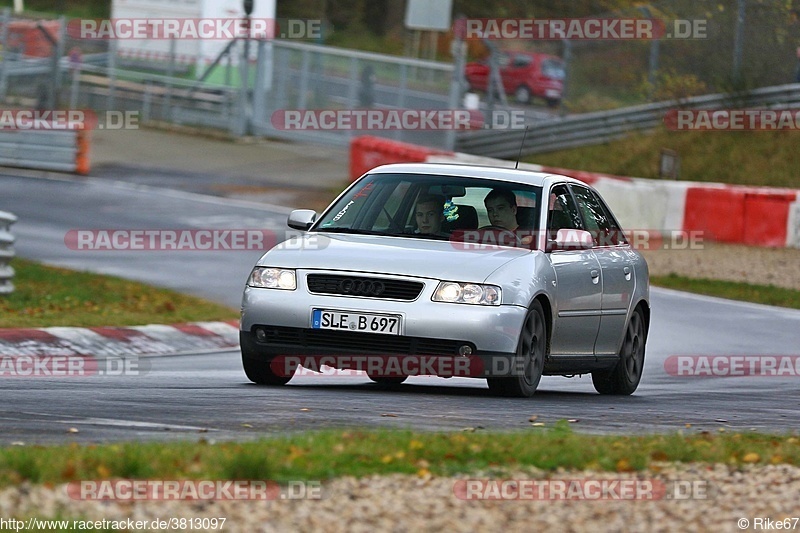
[(429, 15), (203, 51)]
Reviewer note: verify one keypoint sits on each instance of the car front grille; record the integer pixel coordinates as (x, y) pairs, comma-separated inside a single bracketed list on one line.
[(368, 287), (344, 341)]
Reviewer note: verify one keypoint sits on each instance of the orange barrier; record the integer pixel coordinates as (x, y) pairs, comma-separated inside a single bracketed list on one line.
[(24, 36), (368, 152), (82, 162)]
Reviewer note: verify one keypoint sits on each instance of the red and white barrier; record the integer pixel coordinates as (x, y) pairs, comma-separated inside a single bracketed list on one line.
[(367, 152), (756, 216)]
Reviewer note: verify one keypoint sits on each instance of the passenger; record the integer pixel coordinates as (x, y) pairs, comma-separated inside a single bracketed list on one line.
[(429, 214), (501, 206)]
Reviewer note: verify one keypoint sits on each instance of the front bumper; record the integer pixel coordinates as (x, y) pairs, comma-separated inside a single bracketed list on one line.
[(489, 330)]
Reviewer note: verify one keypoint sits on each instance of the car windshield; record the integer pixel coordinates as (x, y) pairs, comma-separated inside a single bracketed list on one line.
[(430, 206), (553, 68)]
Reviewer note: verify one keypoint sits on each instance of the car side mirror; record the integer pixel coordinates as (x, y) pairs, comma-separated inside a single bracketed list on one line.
[(301, 219), (571, 239)]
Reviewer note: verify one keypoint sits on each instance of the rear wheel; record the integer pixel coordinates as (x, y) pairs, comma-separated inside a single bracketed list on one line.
[(529, 359), (388, 382), (624, 378), (259, 371)]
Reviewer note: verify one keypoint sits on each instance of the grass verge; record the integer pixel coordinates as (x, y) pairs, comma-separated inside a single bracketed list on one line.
[(48, 296), (332, 453), (738, 158), (733, 290)]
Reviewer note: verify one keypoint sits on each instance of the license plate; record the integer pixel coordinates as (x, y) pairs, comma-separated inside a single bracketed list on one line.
[(354, 321), (552, 93)]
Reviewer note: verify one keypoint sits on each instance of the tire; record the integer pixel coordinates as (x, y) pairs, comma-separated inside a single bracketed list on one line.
[(388, 382), (259, 371), (523, 94), (531, 354), (624, 378)]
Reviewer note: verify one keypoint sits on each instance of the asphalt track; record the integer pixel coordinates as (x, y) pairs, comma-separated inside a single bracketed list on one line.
[(207, 395)]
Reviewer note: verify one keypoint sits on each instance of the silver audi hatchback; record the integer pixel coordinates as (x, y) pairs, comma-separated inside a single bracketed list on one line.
[(432, 269)]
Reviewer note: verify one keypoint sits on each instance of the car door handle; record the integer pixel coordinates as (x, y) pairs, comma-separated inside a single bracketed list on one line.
[(627, 272), (595, 276)]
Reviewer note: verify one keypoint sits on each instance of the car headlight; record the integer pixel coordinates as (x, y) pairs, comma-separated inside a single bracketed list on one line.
[(467, 293), (273, 278)]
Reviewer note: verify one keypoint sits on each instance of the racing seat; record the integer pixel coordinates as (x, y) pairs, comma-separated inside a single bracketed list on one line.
[(559, 219), (467, 219), (525, 217)]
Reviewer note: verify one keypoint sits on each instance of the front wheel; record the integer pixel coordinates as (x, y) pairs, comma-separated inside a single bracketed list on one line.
[(529, 360), (388, 381), (261, 372), (523, 94), (624, 378)]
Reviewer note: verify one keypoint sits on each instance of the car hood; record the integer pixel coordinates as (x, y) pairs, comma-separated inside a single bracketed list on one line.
[(390, 255)]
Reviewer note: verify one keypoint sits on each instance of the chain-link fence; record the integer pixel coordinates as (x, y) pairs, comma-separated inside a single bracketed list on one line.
[(733, 45), (709, 46), (307, 76), (173, 82)]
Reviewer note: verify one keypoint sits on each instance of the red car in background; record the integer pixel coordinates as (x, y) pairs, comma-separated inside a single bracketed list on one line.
[(524, 74)]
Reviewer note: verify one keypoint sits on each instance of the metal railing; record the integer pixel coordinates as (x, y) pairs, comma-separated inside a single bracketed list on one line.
[(55, 150), (6, 252), (604, 126), (309, 76)]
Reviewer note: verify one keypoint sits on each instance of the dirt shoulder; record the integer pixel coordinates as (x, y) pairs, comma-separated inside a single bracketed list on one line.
[(730, 262)]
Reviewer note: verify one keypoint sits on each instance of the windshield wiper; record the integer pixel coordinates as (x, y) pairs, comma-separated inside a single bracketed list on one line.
[(354, 231)]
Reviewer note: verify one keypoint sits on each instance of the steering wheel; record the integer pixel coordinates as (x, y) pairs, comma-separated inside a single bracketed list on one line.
[(503, 231)]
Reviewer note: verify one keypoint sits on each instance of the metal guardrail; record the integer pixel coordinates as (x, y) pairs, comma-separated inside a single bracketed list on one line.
[(6, 252), (604, 126), (39, 149)]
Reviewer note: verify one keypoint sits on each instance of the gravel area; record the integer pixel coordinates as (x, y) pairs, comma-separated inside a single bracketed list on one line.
[(719, 497), (762, 266)]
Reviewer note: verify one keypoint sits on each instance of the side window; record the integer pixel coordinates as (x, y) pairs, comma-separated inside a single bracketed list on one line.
[(617, 235), (521, 60), (563, 213), (598, 222)]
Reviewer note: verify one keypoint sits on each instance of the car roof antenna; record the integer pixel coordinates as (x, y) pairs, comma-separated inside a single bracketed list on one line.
[(516, 165)]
